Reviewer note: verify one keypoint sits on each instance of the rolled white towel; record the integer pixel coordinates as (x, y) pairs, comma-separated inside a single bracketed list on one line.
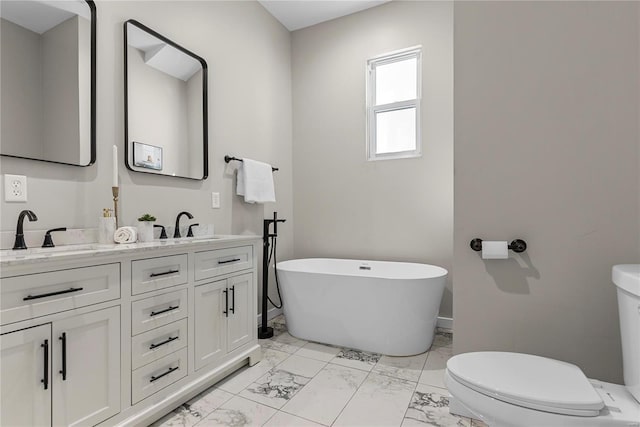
[(125, 235)]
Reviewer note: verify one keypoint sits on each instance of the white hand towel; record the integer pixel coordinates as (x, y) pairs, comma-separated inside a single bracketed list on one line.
[(240, 181), (255, 182), (125, 235)]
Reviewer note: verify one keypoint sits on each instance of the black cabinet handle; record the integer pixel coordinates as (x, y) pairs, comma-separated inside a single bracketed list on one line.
[(45, 380), (226, 303), (155, 313), (50, 294), (164, 273), (63, 371), (162, 375), (167, 341), (233, 299), (229, 260)]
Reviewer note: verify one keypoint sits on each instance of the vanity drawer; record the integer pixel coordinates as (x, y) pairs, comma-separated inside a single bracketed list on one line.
[(157, 343), (157, 375), (158, 311), (158, 273), (34, 295), (222, 261)]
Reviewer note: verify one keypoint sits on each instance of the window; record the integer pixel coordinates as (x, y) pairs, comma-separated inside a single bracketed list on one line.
[(393, 105)]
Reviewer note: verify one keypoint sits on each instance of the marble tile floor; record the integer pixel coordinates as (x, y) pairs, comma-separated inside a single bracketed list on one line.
[(301, 383)]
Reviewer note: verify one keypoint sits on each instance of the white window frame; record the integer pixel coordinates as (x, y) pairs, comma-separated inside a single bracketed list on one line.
[(372, 109)]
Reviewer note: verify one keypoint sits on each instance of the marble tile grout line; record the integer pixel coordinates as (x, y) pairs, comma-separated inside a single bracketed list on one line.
[(404, 416), (392, 371)]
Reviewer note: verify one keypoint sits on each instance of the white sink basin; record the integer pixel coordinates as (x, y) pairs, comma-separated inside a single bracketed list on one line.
[(10, 255), (55, 250), (192, 239)]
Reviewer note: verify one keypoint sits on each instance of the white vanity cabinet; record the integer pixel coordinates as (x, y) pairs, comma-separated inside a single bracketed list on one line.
[(122, 335), (86, 368), (223, 320), (25, 372), (210, 323), (63, 373), (241, 323)]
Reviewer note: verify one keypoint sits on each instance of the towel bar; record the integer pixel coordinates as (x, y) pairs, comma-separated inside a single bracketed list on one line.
[(228, 158)]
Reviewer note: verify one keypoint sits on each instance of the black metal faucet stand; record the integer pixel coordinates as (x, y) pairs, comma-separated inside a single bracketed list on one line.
[(264, 331)]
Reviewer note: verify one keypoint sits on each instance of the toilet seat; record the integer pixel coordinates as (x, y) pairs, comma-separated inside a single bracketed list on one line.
[(528, 381)]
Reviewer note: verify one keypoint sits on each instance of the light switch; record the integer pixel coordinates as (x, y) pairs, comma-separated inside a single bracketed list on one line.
[(215, 200)]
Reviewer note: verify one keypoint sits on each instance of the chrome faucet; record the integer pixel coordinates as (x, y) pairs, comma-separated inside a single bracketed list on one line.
[(19, 243), (176, 232)]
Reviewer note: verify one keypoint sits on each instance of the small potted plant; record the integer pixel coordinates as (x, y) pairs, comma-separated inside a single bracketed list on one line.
[(145, 228)]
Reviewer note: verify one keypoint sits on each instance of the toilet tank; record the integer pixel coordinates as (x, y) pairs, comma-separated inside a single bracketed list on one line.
[(627, 279)]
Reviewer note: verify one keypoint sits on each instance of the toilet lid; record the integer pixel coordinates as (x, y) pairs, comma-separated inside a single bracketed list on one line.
[(530, 381)]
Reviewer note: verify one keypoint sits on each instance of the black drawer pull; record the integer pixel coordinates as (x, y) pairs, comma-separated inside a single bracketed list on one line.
[(162, 375), (229, 260), (155, 313), (50, 294), (45, 380), (164, 273), (167, 341)]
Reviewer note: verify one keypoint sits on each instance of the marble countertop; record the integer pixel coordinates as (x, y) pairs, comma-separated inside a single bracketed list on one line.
[(88, 250)]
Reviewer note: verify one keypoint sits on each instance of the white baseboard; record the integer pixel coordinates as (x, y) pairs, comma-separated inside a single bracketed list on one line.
[(271, 313), (445, 323)]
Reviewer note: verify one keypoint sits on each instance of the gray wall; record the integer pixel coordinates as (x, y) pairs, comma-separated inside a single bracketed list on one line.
[(60, 91), (21, 98), (84, 94), (194, 121), (546, 149), (35, 106), (158, 115), (249, 58), (346, 207)]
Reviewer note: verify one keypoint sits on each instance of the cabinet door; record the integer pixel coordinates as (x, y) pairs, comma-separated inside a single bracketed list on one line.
[(241, 324), (25, 369), (211, 302), (86, 368)]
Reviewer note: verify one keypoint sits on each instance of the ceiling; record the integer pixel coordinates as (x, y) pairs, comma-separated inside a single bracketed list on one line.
[(297, 14), (41, 16)]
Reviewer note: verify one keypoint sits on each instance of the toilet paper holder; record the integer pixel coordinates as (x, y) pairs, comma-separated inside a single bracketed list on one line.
[(517, 245)]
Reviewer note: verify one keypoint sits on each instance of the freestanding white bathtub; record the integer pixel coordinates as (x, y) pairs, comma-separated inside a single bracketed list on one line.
[(383, 307)]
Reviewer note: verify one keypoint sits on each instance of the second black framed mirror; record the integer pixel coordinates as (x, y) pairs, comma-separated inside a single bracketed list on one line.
[(165, 95)]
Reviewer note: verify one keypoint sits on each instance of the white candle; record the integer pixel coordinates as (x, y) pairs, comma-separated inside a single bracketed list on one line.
[(115, 166)]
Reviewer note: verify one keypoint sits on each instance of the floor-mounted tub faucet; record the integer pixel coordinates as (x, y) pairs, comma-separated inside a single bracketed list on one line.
[(19, 243), (176, 232)]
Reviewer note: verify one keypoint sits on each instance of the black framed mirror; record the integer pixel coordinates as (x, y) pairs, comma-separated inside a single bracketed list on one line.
[(48, 80), (165, 91)]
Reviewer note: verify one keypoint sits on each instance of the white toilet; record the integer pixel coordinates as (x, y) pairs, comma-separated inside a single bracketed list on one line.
[(513, 389)]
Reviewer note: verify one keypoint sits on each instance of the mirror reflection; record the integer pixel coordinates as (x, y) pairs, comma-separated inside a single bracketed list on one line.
[(166, 105), (47, 80)]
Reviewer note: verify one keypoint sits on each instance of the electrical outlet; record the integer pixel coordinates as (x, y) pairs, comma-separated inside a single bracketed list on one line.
[(15, 188), (215, 200)]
